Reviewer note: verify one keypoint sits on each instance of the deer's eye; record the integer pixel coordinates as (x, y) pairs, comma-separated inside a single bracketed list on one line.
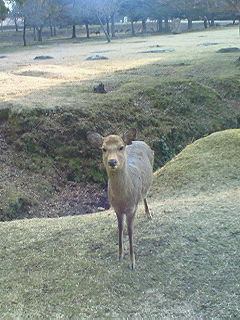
[(104, 150), (121, 148)]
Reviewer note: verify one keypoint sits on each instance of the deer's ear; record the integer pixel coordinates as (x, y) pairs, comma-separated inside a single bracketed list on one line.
[(95, 139), (129, 135)]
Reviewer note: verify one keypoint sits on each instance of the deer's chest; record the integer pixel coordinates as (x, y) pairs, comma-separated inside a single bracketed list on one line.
[(124, 201)]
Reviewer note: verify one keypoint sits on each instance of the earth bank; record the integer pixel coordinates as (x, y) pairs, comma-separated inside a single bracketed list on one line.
[(51, 143)]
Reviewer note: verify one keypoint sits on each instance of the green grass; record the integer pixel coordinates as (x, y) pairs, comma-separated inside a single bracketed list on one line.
[(187, 256)]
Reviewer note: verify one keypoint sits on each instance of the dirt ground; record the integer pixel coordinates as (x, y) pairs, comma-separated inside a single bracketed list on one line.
[(20, 74), (67, 198)]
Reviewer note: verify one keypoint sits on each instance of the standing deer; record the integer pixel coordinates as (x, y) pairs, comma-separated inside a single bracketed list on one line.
[(129, 167)]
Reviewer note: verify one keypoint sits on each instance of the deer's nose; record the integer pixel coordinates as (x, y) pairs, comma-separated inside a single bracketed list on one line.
[(112, 163)]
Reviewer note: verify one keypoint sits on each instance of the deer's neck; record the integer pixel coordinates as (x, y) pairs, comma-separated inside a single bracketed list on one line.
[(119, 182)]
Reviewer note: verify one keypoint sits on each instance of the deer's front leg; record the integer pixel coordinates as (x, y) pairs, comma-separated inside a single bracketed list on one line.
[(120, 218), (130, 220)]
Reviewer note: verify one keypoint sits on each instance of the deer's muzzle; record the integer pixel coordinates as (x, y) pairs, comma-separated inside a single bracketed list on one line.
[(112, 163)]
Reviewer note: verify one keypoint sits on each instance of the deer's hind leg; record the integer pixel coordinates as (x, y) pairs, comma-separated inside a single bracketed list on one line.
[(149, 216)]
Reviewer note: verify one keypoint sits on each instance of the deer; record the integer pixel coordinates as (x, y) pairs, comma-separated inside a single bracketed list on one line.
[(129, 166), (96, 32)]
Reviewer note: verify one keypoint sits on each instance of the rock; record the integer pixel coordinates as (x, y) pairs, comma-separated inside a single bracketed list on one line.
[(138, 41), (208, 44), (155, 46), (103, 51), (43, 57), (42, 47), (157, 51), (181, 64), (97, 57), (227, 50), (99, 88)]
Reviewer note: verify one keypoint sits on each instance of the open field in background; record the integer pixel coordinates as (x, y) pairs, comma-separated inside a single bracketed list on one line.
[(21, 75), (10, 38), (187, 256)]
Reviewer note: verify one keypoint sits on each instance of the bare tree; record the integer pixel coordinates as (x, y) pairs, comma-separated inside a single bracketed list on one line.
[(3, 11), (98, 9), (234, 5), (109, 9), (15, 14), (54, 10)]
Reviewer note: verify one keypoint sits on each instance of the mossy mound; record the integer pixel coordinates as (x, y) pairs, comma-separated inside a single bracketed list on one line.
[(14, 204), (228, 88), (208, 165)]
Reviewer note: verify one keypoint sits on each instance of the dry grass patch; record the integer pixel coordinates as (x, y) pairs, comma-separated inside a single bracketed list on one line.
[(70, 65)]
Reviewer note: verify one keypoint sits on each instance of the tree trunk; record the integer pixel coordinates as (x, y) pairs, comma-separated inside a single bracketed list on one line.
[(212, 22), (144, 26), (189, 23), (54, 31), (166, 24), (105, 32), (74, 32), (16, 25), (205, 22), (160, 25), (87, 30), (108, 27), (24, 32), (132, 28), (34, 34), (39, 34), (112, 26), (51, 28)]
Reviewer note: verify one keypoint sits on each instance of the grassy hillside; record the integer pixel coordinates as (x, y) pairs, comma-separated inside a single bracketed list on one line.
[(187, 256)]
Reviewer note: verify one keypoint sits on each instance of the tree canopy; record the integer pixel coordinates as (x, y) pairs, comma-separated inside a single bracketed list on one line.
[(3, 10), (40, 13)]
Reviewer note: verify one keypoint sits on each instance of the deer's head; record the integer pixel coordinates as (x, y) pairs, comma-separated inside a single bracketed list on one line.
[(113, 148)]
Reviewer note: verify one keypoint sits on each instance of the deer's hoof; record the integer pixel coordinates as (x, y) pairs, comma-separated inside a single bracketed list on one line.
[(132, 266), (120, 258)]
